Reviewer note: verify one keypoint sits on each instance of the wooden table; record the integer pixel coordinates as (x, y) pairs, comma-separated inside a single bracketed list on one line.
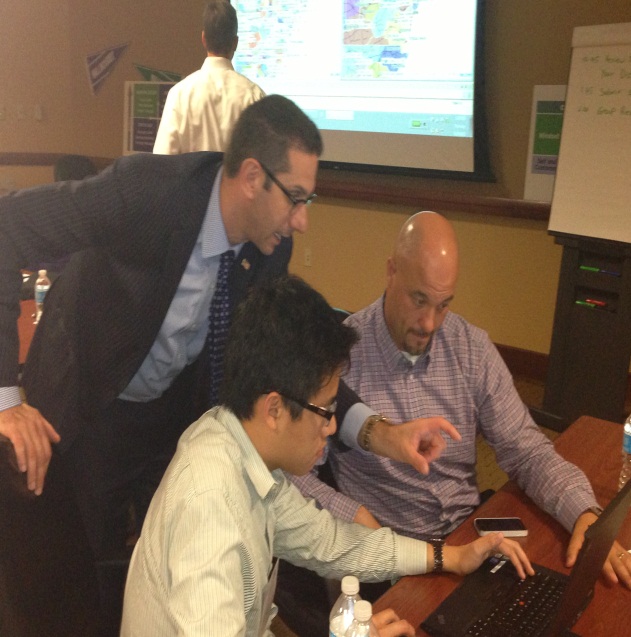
[(593, 445), (26, 328)]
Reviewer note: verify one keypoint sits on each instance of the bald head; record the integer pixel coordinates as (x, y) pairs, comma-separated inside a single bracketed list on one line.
[(422, 275), (428, 239)]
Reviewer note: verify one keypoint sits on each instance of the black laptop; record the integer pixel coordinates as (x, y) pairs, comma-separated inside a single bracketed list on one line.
[(494, 601)]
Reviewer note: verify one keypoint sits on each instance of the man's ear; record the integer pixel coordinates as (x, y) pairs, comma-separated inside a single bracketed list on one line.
[(272, 409), (251, 177), (391, 268)]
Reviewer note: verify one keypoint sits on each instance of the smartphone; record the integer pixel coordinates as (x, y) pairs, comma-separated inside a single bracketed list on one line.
[(510, 527)]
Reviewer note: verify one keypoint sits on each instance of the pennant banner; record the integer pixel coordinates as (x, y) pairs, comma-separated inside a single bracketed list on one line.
[(101, 64), (156, 75)]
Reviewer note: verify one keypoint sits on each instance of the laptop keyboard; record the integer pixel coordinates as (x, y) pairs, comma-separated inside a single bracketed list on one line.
[(525, 609)]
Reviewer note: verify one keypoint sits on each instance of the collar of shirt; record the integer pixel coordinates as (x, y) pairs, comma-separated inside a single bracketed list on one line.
[(263, 480), (213, 237), (216, 62)]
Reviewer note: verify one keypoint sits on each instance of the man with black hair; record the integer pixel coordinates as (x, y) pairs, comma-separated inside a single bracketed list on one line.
[(204, 563), (201, 110)]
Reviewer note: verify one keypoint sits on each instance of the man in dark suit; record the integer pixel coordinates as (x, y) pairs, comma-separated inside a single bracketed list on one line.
[(111, 370)]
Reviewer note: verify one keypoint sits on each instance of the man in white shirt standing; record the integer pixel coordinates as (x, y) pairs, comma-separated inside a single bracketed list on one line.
[(201, 110)]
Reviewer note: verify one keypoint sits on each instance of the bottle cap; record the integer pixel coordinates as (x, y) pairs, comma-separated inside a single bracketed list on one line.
[(42, 272), (350, 585), (363, 611)]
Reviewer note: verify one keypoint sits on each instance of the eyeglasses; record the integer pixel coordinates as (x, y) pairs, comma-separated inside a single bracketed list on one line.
[(295, 201), (321, 411)]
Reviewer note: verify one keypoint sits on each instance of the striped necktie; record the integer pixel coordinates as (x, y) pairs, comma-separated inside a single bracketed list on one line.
[(218, 325)]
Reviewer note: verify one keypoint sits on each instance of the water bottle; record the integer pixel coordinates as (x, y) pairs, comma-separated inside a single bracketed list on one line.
[(343, 611), (362, 625), (42, 285), (625, 472)]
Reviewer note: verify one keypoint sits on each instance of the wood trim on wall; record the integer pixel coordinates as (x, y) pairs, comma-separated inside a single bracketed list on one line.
[(415, 192), (390, 189), (534, 365), (44, 159), (521, 362)]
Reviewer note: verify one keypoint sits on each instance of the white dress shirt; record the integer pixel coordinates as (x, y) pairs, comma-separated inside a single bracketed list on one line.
[(204, 558), (201, 110)]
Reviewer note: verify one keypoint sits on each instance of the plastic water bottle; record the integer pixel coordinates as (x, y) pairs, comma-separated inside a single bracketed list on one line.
[(42, 285), (362, 625), (343, 611), (625, 472)]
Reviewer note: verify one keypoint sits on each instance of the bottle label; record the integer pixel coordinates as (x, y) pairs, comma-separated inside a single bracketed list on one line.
[(40, 293), (626, 443)]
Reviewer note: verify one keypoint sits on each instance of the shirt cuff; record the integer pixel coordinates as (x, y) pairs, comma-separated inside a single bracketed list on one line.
[(411, 556), (355, 417), (9, 397)]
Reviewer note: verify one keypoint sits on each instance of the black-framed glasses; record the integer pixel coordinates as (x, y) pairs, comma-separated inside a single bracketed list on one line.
[(295, 201), (321, 411)]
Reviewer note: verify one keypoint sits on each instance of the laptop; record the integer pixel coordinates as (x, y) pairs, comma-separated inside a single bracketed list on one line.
[(494, 601)]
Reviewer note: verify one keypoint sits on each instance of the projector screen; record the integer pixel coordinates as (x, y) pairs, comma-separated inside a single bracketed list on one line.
[(392, 84)]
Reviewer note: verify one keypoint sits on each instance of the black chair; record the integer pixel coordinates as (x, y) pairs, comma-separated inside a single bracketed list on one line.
[(48, 582), (342, 314)]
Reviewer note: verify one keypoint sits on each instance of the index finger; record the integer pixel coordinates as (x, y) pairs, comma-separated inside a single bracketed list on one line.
[(446, 427), (518, 557)]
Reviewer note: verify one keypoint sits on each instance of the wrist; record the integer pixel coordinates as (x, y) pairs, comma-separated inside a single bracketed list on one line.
[(590, 515), (365, 437), (438, 560)]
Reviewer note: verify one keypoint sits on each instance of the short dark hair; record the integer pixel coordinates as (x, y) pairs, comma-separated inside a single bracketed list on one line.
[(220, 27), (266, 130), (284, 337)]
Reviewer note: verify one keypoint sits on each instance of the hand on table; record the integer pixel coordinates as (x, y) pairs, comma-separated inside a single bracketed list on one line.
[(617, 568), (467, 557), (417, 442), (31, 435), (388, 624)]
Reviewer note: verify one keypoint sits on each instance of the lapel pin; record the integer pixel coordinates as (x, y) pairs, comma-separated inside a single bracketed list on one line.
[(245, 264)]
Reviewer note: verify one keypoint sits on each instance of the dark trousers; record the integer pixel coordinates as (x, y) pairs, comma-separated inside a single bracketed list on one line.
[(115, 465), (305, 599)]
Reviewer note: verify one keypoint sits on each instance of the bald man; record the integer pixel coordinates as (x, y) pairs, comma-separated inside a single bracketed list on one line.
[(416, 359)]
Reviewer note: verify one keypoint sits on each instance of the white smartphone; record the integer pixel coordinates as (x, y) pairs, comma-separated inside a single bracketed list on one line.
[(510, 527)]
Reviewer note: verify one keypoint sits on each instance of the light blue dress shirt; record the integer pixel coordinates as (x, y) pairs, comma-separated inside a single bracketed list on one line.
[(183, 331)]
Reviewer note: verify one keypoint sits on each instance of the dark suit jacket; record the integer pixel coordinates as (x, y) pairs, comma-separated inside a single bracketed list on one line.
[(130, 231)]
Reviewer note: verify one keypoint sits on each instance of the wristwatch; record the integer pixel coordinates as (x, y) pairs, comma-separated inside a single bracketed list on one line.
[(366, 430), (438, 544)]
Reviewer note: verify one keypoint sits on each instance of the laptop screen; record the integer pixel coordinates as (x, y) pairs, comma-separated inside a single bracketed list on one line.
[(598, 540)]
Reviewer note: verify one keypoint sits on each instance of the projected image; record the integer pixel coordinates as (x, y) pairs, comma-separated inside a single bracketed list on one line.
[(370, 73)]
